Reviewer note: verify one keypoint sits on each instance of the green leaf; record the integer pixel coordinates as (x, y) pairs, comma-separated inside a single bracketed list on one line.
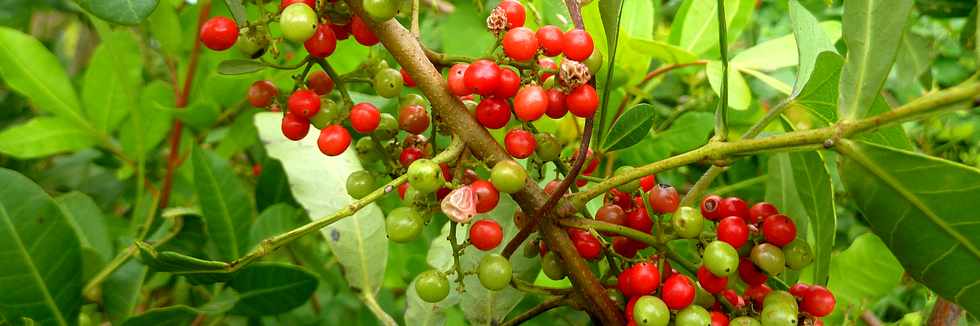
[(44, 136), (811, 41), (920, 206), (239, 66), (630, 128), (780, 52), (913, 58), (276, 219), (237, 11), (359, 242), (123, 12), (271, 288), (168, 316), (872, 31), (696, 27), (198, 271), (688, 132), (226, 206), (31, 70), (90, 224), (121, 291), (164, 26), (463, 24), (148, 124), (739, 95), (665, 52), (861, 275), (113, 76), (40, 276), (241, 135), (272, 186)]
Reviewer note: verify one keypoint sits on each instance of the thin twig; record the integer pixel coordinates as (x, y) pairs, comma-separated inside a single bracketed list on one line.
[(548, 304)]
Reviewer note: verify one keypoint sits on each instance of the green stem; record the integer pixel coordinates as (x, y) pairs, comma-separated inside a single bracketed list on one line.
[(457, 251), (739, 185), (721, 114), (631, 233), (339, 81)]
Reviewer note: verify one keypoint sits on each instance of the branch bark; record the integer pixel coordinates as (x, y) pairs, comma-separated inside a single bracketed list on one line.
[(944, 313)]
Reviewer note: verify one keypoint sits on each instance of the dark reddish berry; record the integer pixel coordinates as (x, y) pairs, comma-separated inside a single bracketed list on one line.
[(402, 188), (219, 33), (737, 301), (530, 103), (413, 119), (648, 182), (779, 230), (719, 319), (364, 117), (611, 214), (640, 279), (550, 40), (520, 143), (761, 211), (455, 79), (261, 93), (624, 200), (520, 44), (322, 43), (577, 45), (482, 77), (709, 207), (362, 33), (486, 195), (799, 290), (586, 244), (664, 199), (711, 283), (486, 234), (749, 273), (406, 78), (677, 292), (294, 126), (733, 230), (304, 103), (409, 155), (547, 64), (333, 140), (757, 293), (733, 206), (551, 187), (638, 219), (556, 104), (515, 12), (626, 246), (510, 83), (591, 161), (319, 82), (582, 101), (341, 32), (818, 301), (493, 113)]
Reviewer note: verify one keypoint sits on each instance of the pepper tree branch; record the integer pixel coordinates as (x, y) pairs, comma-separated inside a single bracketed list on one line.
[(827, 136), (410, 55)]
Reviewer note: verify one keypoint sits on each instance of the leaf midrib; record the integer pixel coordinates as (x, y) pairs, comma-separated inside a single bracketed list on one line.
[(35, 273), (226, 213), (72, 110)]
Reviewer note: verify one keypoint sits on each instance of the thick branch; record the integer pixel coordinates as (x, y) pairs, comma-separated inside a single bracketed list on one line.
[(944, 313)]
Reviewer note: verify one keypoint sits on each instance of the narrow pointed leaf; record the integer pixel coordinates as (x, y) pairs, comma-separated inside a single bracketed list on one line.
[(631, 128), (271, 288), (226, 206), (28, 68), (239, 67), (124, 12)]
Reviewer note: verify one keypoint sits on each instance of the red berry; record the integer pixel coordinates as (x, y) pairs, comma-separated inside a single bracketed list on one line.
[(648, 182), (638, 219), (757, 294), (319, 82), (624, 200), (626, 246), (413, 119), (640, 279), (362, 33), (550, 40), (591, 162), (711, 283), (341, 32), (295, 127), (799, 290), (582, 101), (779, 230), (586, 244), (402, 188), (510, 82), (219, 33), (737, 301), (409, 155), (719, 319), (322, 43), (551, 187), (364, 117), (664, 199), (733, 230), (611, 214), (629, 310), (520, 143), (547, 64), (577, 45), (520, 44), (818, 301), (486, 195), (304, 103), (493, 112), (455, 79), (334, 140), (761, 211), (261, 93), (482, 77), (515, 12), (486, 234), (556, 104), (749, 273), (286, 3), (733, 206), (530, 103), (677, 292), (406, 78), (709, 207)]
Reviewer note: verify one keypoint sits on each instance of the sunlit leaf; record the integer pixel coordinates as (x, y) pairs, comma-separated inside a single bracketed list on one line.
[(125, 12), (630, 128)]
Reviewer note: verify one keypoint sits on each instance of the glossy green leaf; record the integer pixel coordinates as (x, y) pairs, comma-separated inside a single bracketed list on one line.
[(271, 288), (631, 128), (739, 95), (226, 206), (239, 66), (28, 68), (40, 276), (167, 316), (123, 12), (665, 52), (359, 242), (811, 41), (121, 291), (696, 27), (149, 122), (911, 200), (872, 31), (112, 77), (780, 52), (861, 275), (688, 132), (89, 222), (164, 26), (44, 136), (237, 11)]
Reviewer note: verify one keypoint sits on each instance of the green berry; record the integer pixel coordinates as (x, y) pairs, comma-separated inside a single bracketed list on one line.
[(508, 176), (594, 62), (387, 127), (650, 311), (329, 114), (404, 224), (381, 10), (412, 99), (548, 148), (744, 321), (551, 265), (687, 222), (720, 258), (297, 22), (388, 82), (494, 272), (367, 150), (425, 176), (432, 286), (798, 254), (768, 257), (693, 315), (360, 184), (779, 315), (779, 297)]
